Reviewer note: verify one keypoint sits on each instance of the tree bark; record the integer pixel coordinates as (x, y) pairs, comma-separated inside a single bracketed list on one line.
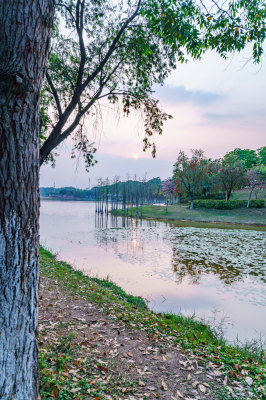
[(250, 194), (24, 41), (228, 194)]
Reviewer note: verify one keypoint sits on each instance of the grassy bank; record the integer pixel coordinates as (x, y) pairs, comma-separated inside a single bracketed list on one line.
[(238, 366), (240, 218)]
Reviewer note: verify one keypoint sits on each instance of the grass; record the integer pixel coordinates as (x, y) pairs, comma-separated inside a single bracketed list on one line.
[(181, 215), (244, 194), (136, 301), (192, 335)]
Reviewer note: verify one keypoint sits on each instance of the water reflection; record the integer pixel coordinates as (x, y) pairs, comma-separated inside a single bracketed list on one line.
[(196, 252), (126, 244)]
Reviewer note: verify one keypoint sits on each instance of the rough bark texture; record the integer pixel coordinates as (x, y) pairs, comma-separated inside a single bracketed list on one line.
[(24, 40)]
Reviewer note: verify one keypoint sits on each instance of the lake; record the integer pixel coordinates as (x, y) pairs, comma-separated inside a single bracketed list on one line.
[(216, 274)]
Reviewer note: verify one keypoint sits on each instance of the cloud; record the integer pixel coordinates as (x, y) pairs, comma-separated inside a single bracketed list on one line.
[(222, 117), (180, 94)]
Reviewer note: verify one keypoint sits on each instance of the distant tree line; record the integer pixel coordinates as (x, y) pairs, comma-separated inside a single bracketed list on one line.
[(115, 194), (111, 194), (67, 193)]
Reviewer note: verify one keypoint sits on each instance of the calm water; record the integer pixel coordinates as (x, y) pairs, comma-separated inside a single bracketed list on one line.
[(219, 275)]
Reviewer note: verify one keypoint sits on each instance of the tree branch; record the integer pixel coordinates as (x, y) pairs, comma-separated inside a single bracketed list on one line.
[(112, 47), (75, 123), (79, 29), (67, 8), (55, 94), (224, 12)]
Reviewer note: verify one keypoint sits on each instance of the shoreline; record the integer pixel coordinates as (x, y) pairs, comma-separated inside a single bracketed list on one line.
[(187, 222), (218, 224)]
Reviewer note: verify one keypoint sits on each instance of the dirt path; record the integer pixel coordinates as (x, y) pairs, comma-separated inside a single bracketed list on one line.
[(117, 362)]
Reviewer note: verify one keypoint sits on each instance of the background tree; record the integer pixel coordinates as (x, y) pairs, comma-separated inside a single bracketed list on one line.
[(190, 174), (249, 158), (262, 155), (256, 180), (231, 174), (168, 188)]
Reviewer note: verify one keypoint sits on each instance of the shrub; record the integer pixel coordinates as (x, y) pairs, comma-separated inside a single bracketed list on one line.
[(228, 205), (257, 203)]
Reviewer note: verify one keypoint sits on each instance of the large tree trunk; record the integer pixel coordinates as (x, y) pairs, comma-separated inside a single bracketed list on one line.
[(24, 39)]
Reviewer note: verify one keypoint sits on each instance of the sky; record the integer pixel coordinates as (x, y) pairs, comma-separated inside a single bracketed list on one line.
[(216, 106)]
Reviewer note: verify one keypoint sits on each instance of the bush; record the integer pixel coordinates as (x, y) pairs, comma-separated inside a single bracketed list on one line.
[(209, 196), (228, 205), (257, 203)]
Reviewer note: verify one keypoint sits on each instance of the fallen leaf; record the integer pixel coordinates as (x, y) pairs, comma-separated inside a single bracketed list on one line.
[(101, 368), (164, 386), (75, 390), (55, 392), (179, 394), (249, 380), (189, 377), (202, 388), (141, 383), (184, 363), (151, 388)]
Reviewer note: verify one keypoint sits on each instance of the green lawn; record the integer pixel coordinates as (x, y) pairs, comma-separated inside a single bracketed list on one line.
[(244, 194), (181, 215)]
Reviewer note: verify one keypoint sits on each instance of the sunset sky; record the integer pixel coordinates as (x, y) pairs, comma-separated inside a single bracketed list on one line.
[(217, 106)]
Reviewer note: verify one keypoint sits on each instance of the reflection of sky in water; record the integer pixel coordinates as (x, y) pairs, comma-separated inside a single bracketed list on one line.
[(178, 269)]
